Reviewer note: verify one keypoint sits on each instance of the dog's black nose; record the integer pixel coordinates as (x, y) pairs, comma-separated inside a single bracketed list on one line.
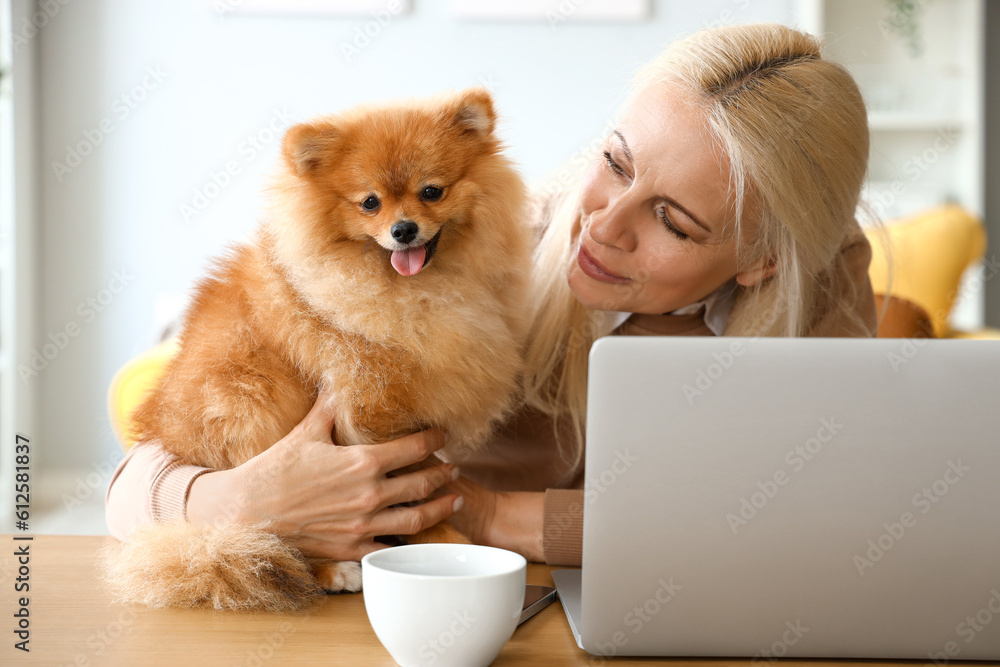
[(405, 231)]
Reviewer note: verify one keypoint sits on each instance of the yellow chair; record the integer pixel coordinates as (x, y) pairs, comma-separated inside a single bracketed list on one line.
[(931, 251), (131, 383)]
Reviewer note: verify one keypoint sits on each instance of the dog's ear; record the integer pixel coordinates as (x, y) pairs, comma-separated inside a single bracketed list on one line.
[(307, 146), (473, 112)]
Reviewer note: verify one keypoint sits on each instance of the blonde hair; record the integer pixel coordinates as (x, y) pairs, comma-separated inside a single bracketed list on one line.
[(795, 131)]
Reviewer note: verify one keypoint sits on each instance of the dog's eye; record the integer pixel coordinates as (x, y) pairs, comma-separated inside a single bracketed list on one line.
[(371, 203), (431, 193)]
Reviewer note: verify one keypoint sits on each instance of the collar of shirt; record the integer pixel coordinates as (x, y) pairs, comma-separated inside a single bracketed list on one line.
[(718, 305)]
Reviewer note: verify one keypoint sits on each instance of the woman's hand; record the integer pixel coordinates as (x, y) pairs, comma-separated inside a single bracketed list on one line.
[(329, 501), (509, 520)]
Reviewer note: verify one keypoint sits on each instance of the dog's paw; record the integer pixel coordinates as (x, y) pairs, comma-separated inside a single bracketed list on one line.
[(442, 533), (336, 577)]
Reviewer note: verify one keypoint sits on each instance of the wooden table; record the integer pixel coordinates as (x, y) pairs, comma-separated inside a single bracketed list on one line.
[(73, 622)]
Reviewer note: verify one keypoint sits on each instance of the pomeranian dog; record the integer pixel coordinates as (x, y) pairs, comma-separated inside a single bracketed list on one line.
[(392, 266)]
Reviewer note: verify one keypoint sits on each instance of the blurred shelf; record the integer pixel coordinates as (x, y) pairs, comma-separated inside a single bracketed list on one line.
[(904, 121)]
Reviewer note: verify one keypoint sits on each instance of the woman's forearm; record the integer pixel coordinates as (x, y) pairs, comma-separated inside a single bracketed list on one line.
[(148, 486), (214, 499), (519, 523), (510, 520)]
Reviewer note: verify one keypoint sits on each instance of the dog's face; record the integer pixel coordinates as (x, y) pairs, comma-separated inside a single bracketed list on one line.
[(399, 177)]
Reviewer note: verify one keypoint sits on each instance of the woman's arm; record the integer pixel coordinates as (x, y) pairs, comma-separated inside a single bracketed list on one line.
[(148, 485), (327, 500), (544, 527)]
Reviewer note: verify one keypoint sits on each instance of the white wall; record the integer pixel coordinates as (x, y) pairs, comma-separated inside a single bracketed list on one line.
[(19, 276), (222, 80)]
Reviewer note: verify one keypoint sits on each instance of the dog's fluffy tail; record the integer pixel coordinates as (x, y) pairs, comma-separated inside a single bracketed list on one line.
[(233, 567)]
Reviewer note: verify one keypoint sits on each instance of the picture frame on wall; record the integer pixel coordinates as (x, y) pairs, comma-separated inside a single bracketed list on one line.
[(327, 8), (552, 11)]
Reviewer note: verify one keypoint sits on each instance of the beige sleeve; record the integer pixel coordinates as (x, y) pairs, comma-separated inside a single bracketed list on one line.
[(562, 527), (147, 486)]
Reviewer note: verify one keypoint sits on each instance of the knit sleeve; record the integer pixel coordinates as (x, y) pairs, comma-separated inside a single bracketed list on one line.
[(148, 486), (562, 527)]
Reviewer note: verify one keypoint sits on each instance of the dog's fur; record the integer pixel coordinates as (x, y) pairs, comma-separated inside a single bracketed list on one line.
[(313, 300)]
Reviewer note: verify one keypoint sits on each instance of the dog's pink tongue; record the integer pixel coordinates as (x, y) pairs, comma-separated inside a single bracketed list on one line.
[(408, 262)]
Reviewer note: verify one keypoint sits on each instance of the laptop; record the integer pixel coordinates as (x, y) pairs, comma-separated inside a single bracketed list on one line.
[(790, 498)]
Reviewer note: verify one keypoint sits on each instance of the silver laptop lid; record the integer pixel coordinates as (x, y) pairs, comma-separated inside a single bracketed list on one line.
[(780, 497)]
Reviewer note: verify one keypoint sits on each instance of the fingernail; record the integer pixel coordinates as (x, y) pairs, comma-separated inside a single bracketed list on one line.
[(458, 504), (456, 471)]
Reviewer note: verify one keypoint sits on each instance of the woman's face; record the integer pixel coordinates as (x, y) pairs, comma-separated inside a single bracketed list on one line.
[(655, 213)]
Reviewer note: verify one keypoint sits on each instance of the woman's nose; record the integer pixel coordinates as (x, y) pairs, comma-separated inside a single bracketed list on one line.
[(610, 226)]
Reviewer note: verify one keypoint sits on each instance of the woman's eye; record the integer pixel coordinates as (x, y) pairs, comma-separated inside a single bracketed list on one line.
[(612, 164), (673, 230), (431, 193), (371, 203)]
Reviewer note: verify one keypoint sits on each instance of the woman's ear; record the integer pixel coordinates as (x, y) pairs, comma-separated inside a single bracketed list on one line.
[(761, 271)]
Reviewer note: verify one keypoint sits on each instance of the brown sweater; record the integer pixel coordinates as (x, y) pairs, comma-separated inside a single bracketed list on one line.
[(521, 457)]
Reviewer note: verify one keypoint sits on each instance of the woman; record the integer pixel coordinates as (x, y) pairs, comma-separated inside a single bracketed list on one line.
[(722, 204)]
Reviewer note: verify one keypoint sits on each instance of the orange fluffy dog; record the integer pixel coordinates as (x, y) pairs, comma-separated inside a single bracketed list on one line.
[(392, 266)]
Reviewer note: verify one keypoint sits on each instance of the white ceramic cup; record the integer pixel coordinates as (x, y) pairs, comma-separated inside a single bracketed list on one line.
[(446, 605)]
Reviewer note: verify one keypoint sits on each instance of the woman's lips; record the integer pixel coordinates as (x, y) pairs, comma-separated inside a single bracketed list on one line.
[(590, 266)]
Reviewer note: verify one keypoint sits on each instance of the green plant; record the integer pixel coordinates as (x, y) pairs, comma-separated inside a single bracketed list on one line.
[(904, 21)]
